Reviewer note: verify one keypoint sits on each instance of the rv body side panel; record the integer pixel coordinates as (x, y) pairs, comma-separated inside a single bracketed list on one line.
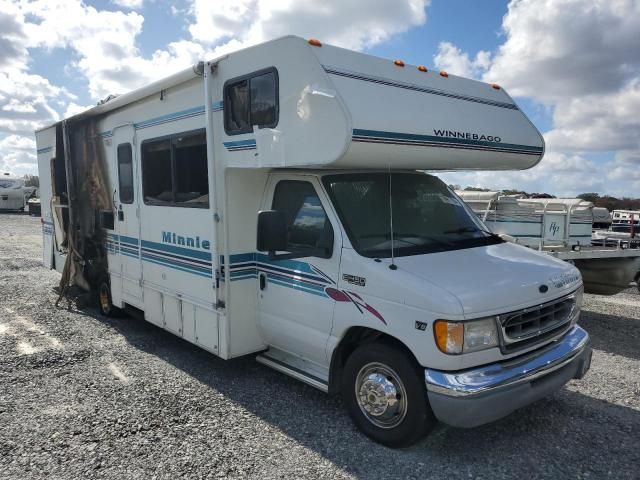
[(168, 246), (46, 151)]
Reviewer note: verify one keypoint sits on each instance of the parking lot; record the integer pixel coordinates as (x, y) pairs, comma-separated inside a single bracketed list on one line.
[(84, 396)]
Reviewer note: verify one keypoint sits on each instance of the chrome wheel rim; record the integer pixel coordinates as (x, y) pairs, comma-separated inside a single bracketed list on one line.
[(381, 395)]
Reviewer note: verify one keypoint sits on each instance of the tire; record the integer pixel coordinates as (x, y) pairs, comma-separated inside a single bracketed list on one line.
[(374, 375), (104, 300)]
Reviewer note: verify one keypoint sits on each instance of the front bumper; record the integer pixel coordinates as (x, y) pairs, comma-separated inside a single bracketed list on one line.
[(481, 395)]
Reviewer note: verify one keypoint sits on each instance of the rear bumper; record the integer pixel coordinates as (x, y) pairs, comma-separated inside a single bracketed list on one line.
[(481, 395)]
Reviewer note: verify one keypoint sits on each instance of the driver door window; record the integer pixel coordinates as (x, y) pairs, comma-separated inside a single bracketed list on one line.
[(309, 231)]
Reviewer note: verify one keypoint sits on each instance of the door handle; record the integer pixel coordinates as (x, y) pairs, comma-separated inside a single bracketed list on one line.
[(120, 215), (263, 280)]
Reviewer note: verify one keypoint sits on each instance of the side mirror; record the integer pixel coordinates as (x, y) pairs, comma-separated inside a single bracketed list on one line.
[(272, 231)]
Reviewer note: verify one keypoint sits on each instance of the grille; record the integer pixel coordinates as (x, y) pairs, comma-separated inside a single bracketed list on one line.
[(532, 325)]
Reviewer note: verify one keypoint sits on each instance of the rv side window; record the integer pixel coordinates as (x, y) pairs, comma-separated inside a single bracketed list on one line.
[(125, 173), (174, 171), (309, 231), (251, 100)]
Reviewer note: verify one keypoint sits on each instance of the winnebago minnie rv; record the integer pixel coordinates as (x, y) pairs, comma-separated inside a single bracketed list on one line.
[(269, 202)]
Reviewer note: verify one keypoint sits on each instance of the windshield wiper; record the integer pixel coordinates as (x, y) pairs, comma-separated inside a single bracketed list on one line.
[(470, 230)]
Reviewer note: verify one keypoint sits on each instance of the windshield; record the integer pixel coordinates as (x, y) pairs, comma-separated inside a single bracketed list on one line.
[(427, 216)]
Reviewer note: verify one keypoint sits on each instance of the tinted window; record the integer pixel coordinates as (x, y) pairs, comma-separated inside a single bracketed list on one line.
[(251, 101), (309, 230), (174, 171), (125, 173)]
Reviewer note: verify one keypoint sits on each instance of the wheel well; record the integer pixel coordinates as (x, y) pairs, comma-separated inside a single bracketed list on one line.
[(352, 339)]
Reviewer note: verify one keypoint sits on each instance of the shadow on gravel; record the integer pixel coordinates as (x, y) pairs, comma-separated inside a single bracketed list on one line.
[(565, 435), (612, 333)]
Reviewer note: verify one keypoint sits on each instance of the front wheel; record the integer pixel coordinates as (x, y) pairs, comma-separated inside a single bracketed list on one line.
[(386, 396)]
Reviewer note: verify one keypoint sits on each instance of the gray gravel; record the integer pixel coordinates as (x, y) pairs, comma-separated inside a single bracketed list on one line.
[(82, 396)]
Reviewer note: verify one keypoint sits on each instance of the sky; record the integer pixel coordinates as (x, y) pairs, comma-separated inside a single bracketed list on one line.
[(573, 66)]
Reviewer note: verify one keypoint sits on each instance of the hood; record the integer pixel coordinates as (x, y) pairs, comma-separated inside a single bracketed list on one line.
[(496, 278)]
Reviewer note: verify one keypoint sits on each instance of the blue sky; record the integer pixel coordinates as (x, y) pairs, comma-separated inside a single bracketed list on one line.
[(573, 66)]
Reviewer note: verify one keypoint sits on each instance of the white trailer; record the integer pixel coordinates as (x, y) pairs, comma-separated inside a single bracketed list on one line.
[(268, 202), (13, 193)]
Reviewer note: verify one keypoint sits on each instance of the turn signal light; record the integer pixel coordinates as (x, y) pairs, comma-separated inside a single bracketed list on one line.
[(449, 336)]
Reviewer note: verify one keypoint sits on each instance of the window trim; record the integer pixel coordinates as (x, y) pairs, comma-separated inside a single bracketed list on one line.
[(301, 254), (248, 76), (173, 169), (133, 182)]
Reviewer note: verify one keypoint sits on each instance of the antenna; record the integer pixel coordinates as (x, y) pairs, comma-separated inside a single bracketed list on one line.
[(393, 265)]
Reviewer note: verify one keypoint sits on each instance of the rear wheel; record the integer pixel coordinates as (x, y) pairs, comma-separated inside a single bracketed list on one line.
[(385, 395), (104, 300)]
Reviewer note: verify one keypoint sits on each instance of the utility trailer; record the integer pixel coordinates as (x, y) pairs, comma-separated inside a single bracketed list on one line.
[(269, 202)]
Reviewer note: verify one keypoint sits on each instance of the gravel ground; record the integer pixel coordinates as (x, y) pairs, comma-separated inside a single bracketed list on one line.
[(83, 396)]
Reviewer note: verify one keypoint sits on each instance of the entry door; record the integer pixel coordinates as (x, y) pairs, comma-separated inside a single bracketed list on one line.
[(294, 302), (127, 214)]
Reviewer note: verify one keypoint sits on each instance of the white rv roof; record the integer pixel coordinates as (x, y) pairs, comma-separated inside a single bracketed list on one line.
[(344, 109)]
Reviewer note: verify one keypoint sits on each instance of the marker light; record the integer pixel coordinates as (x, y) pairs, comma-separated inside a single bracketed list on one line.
[(495, 86), (422, 68), (398, 63), (314, 42), (443, 74)]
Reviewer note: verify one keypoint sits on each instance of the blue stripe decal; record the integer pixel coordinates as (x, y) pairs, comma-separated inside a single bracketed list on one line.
[(400, 138), (170, 117), (187, 252), (249, 144), (44, 150)]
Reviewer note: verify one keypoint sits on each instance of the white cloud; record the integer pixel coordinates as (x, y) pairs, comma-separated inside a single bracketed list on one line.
[(132, 4), (558, 173), (581, 60), (355, 24), (453, 60), (17, 154)]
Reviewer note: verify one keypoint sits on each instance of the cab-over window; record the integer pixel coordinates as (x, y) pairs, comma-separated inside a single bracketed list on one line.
[(251, 100)]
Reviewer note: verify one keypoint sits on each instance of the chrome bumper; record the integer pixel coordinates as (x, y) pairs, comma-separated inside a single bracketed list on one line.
[(473, 397)]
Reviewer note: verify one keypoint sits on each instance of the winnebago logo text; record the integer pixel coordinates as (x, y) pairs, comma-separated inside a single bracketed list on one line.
[(467, 135), (193, 242)]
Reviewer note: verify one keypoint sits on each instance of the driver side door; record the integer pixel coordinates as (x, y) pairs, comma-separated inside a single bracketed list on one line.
[(294, 309)]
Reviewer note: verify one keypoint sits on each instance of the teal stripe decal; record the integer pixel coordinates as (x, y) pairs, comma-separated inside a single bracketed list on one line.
[(377, 136)]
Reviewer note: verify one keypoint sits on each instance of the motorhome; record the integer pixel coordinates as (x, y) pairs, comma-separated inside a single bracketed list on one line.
[(271, 202), (13, 193)]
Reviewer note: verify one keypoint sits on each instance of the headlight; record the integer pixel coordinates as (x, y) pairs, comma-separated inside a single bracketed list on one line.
[(464, 337)]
